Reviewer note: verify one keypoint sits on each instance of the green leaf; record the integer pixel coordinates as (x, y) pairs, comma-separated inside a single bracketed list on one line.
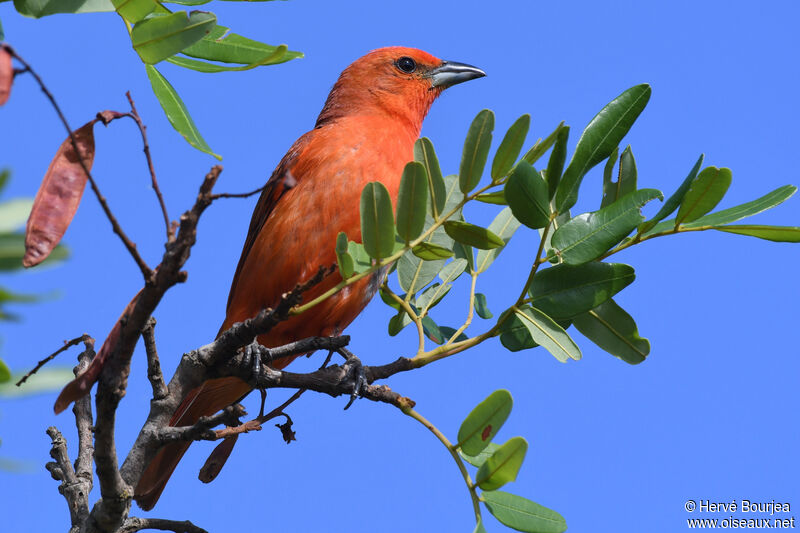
[(343, 259), (41, 8), (673, 201), (496, 198), (12, 250), (479, 527), (484, 421), (388, 300), (472, 235), (8, 296), (431, 252), (5, 373), (377, 222), (504, 225), (398, 322), (510, 147), (414, 273), (476, 150), (278, 56), (613, 330), (134, 10), (14, 213), (431, 330), (588, 236), (452, 195), (732, 214), (448, 332), (527, 196), (514, 335), (424, 153), (538, 149), (769, 233), (555, 166), (548, 334), (5, 175), (176, 111), (609, 187), (361, 259), (599, 139), (453, 270), (226, 47), (412, 201), (432, 295), (704, 194), (45, 380), (466, 252), (478, 459), (2, 33), (481, 307), (626, 179), (503, 465), (565, 291), (521, 514), (161, 35)]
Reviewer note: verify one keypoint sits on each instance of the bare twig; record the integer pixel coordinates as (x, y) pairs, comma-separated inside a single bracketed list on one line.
[(40, 364), (146, 271), (133, 524), (72, 487), (237, 195), (153, 365), (134, 114)]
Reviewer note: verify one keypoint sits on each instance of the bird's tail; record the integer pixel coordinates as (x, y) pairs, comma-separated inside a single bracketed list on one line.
[(205, 400)]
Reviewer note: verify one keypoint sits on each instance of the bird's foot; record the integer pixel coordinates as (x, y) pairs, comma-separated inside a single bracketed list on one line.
[(354, 372), (254, 352)]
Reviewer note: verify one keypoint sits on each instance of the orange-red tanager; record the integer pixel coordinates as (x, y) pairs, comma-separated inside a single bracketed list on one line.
[(365, 132)]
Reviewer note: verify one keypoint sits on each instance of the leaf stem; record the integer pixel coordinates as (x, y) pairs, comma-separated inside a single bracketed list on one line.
[(450, 448), (410, 310)]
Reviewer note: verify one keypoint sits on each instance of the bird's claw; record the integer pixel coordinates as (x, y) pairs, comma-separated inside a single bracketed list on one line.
[(253, 353), (354, 371)]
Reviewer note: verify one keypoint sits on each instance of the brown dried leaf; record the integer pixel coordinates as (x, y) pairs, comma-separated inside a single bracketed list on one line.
[(6, 76), (217, 459), (58, 196)]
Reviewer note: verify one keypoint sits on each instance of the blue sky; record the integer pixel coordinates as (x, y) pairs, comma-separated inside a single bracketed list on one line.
[(712, 413)]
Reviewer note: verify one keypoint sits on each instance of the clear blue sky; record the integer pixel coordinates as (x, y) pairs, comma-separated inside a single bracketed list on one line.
[(712, 414)]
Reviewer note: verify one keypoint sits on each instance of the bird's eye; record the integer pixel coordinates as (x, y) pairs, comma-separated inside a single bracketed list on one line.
[(406, 64)]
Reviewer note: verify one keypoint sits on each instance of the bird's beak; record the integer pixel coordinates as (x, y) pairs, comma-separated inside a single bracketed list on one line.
[(450, 73)]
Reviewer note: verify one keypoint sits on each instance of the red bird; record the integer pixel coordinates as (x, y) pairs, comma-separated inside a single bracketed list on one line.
[(365, 132)]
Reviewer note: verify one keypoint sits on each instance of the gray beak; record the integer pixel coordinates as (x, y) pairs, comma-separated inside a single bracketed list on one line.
[(450, 73)]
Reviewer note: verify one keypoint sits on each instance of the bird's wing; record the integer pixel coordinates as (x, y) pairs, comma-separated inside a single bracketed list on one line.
[(278, 185)]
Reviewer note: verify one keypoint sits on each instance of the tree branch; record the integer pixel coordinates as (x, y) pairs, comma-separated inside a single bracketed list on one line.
[(67, 344)]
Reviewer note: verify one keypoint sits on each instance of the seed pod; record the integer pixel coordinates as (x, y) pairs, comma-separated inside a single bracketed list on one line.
[(81, 385), (6, 75), (58, 196), (215, 462)]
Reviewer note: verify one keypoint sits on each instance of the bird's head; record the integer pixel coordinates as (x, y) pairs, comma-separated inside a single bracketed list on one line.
[(398, 81)]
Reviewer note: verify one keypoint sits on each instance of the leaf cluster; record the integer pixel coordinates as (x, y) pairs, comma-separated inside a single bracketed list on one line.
[(188, 39)]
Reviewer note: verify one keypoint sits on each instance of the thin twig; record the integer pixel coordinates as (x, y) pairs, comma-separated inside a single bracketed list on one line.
[(154, 374), (146, 271), (237, 195), (134, 114), (40, 364), (133, 524)]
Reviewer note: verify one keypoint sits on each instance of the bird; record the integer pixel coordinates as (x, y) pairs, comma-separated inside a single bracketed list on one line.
[(365, 132)]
